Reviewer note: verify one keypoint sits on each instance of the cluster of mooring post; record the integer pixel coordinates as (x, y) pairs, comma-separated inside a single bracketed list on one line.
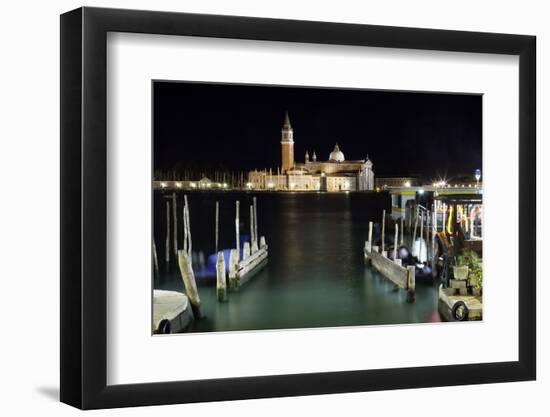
[(391, 268), (254, 254), (428, 235), (182, 257)]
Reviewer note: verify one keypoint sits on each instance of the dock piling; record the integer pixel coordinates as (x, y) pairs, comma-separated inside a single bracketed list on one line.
[(434, 235), (428, 246), (233, 266), (401, 230), (217, 225), (370, 233), (221, 287), (237, 231), (383, 229), (252, 237), (155, 259), (411, 283), (421, 237), (415, 224), (255, 221), (189, 283), (246, 250), (395, 242), (188, 222), (167, 245), (175, 221)]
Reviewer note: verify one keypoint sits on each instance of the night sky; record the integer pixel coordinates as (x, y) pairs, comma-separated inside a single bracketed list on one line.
[(238, 127)]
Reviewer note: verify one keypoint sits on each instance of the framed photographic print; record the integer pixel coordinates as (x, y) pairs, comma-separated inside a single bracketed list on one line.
[(258, 208)]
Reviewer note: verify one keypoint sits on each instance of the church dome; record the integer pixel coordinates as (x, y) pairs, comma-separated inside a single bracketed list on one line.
[(336, 155)]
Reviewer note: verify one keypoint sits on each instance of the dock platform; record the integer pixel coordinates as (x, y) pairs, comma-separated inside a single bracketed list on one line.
[(172, 312), (402, 277)]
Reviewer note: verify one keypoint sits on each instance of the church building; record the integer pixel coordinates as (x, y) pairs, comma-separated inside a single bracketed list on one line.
[(334, 174)]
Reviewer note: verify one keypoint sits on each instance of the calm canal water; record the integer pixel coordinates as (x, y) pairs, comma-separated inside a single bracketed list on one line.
[(316, 274)]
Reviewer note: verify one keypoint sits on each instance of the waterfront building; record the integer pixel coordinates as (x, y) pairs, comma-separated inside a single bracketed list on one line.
[(334, 174), (384, 183)]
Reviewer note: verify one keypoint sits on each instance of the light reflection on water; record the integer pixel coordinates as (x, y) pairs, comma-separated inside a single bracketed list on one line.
[(315, 277)]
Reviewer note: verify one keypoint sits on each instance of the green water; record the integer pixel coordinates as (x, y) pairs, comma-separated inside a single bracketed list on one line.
[(316, 274)]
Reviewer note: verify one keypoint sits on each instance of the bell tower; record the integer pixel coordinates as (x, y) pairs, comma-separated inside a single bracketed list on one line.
[(287, 145)]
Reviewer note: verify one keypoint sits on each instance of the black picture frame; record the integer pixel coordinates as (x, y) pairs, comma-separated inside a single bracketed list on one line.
[(84, 207)]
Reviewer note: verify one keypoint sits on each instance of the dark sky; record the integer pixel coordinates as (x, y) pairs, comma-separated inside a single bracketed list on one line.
[(239, 127)]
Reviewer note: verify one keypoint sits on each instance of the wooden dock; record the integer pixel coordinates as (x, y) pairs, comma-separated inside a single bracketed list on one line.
[(172, 312), (391, 269), (241, 271)]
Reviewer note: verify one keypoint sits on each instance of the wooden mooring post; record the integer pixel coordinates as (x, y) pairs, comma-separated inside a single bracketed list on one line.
[(255, 222), (233, 268), (246, 250), (155, 260), (221, 287), (415, 224), (370, 237), (395, 242), (175, 222), (253, 245), (188, 277), (217, 225), (434, 237), (237, 231), (383, 231), (421, 237), (188, 223), (428, 246), (401, 230), (411, 283), (167, 243)]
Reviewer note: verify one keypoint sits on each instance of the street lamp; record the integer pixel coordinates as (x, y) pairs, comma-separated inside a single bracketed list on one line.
[(478, 176)]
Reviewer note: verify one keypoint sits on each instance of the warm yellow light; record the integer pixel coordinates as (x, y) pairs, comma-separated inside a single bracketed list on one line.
[(178, 184), (163, 184), (407, 184), (193, 185)]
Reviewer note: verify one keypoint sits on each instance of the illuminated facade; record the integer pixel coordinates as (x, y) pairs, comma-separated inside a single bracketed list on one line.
[(334, 174)]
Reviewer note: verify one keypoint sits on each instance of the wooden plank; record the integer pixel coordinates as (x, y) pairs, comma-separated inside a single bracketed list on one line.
[(392, 271)]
